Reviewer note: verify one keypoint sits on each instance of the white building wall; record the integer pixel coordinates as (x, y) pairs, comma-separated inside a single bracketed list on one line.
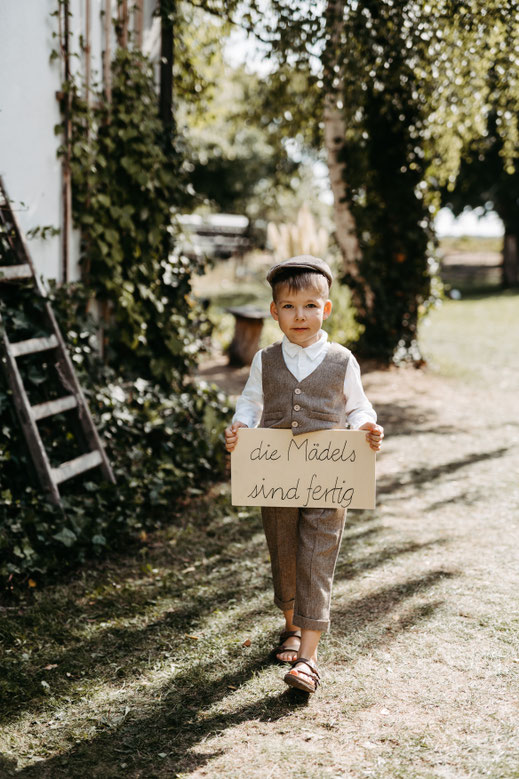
[(29, 112)]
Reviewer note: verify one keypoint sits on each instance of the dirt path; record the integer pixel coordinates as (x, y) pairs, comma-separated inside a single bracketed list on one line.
[(423, 658), (154, 664)]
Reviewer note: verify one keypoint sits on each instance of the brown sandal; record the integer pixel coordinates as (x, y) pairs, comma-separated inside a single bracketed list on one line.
[(293, 679), (280, 648)]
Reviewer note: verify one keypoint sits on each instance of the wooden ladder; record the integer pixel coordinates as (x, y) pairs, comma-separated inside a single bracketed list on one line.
[(14, 245)]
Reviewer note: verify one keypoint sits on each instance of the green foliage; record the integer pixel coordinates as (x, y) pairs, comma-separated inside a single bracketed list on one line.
[(412, 79), (238, 161), (125, 184), (364, 57), (485, 180), (199, 38), (385, 171), (342, 326), (162, 446), (162, 430), (470, 70), (486, 175)]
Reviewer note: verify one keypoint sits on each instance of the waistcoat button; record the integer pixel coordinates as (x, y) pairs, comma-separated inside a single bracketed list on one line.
[(295, 424), (297, 407), (297, 391)]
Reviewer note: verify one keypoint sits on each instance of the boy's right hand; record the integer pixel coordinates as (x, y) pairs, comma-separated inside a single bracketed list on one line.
[(231, 435)]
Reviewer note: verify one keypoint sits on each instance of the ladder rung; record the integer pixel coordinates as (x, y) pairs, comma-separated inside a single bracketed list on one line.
[(50, 407), (78, 465), (9, 272), (33, 345)]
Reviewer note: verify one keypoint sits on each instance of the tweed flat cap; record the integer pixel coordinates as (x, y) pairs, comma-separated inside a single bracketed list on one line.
[(301, 262)]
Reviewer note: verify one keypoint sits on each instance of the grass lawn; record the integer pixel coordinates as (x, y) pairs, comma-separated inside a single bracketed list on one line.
[(476, 338), (154, 663)]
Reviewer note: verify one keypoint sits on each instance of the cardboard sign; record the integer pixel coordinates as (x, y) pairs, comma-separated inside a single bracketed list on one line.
[(327, 469)]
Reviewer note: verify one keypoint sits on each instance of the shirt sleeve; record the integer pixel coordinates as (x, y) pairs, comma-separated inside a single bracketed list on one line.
[(358, 407), (249, 405)]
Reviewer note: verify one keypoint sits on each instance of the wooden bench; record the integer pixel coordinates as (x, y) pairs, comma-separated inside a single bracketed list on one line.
[(247, 333)]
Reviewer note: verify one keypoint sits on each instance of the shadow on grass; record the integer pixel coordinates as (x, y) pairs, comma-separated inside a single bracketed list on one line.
[(164, 733), (376, 606), (63, 625), (167, 738), (409, 419), (418, 476), (70, 637), (464, 498), (158, 742), (349, 569)]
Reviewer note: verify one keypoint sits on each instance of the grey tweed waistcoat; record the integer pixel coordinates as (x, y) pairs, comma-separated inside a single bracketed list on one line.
[(315, 403)]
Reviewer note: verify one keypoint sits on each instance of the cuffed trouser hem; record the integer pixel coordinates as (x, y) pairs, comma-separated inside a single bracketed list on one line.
[(284, 605), (311, 624)]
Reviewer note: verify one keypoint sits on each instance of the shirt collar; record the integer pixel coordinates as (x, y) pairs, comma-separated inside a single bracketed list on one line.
[(312, 352)]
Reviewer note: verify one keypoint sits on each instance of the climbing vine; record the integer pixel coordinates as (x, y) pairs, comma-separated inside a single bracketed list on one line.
[(162, 430), (125, 187)]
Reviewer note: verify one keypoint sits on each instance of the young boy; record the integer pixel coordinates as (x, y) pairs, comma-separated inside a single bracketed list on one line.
[(304, 383)]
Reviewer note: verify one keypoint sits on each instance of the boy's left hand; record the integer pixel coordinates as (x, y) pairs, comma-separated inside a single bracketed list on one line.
[(374, 436)]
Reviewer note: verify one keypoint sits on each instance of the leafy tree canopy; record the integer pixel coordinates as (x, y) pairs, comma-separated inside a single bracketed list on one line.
[(411, 80)]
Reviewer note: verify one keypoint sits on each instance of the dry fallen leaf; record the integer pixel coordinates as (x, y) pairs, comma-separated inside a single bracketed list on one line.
[(195, 638), (32, 583), (247, 642), (231, 687)]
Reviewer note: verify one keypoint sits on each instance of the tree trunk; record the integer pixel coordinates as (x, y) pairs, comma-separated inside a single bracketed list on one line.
[(334, 132), (334, 138), (138, 23), (510, 274), (123, 20)]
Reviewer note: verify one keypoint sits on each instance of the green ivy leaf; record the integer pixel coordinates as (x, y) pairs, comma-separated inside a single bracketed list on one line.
[(66, 537)]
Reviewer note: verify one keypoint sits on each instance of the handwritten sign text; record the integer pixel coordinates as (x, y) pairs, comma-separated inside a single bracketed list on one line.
[(327, 469)]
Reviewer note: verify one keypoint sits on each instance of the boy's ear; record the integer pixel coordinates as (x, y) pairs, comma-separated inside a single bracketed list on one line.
[(274, 310), (327, 310)]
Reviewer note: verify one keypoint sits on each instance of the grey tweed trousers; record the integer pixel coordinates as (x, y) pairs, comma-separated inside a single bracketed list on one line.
[(304, 546)]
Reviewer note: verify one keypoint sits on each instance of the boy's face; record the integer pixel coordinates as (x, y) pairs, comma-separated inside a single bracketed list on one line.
[(300, 314)]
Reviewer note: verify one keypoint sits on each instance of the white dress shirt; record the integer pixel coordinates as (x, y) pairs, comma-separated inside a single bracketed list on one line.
[(301, 362)]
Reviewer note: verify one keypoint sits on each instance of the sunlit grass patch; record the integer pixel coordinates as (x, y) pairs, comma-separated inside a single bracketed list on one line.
[(476, 339)]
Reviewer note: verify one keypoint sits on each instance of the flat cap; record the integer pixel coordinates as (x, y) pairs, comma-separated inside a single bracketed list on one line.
[(301, 262)]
